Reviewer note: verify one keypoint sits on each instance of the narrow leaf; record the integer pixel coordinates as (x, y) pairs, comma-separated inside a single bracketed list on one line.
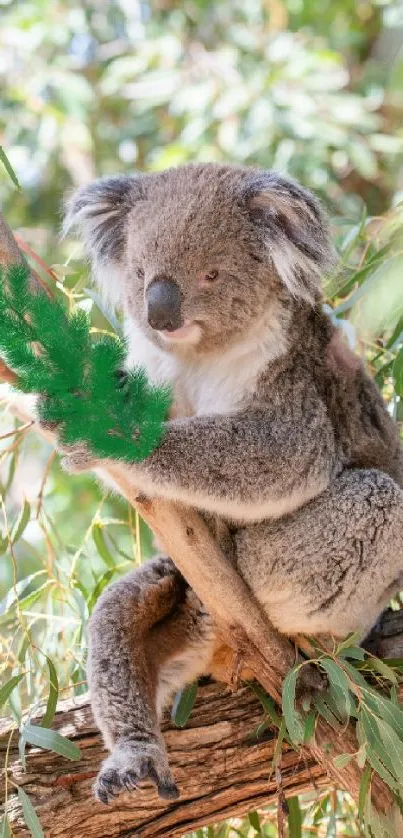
[(7, 689), (21, 522), (5, 831), (101, 545), (294, 818), (267, 703), (30, 816), (342, 760), (364, 787), (9, 169), (339, 687), (292, 716), (183, 704), (309, 727), (51, 740), (254, 821), (52, 697)]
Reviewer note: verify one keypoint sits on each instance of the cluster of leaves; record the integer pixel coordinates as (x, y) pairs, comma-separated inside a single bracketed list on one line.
[(98, 89), (376, 711), (77, 378)]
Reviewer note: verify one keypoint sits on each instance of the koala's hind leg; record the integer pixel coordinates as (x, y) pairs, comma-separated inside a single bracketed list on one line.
[(149, 636), (330, 567)]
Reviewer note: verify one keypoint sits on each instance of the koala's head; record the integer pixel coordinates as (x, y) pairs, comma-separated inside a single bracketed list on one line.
[(197, 255)]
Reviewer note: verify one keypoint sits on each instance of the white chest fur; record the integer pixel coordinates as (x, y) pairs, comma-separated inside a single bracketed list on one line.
[(214, 384)]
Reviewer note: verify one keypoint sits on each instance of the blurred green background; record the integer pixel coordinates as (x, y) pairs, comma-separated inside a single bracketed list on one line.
[(311, 87)]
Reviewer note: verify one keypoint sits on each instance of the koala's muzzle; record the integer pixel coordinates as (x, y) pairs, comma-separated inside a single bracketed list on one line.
[(163, 300)]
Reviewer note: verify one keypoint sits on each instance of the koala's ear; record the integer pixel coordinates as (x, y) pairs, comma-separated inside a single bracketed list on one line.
[(295, 231), (99, 211)]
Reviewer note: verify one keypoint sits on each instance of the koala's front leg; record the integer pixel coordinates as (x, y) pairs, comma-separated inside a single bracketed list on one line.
[(249, 466)]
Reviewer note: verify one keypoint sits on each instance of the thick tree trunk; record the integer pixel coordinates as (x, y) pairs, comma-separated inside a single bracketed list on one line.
[(221, 768)]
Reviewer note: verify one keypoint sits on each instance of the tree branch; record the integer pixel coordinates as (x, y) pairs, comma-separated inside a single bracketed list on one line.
[(221, 769)]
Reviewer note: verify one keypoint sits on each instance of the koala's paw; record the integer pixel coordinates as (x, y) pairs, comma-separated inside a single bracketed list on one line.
[(128, 765), (77, 458)]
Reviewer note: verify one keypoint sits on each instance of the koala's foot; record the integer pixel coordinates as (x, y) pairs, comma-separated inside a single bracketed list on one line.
[(129, 764)]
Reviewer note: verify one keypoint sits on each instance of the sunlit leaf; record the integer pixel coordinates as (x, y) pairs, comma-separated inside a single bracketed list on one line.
[(21, 522), (8, 167), (6, 689), (51, 740)]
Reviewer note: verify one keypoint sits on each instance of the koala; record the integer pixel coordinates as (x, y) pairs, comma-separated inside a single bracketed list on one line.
[(277, 436)]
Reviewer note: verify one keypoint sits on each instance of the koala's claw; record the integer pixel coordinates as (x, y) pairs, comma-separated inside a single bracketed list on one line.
[(127, 767)]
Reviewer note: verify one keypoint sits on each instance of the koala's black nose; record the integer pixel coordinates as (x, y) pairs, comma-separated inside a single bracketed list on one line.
[(163, 299)]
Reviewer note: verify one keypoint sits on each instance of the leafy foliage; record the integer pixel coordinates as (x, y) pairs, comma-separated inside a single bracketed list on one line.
[(77, 378), (314, 89)]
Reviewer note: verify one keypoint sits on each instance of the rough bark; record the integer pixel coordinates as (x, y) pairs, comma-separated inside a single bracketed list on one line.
[(243, 626), (219, 769)]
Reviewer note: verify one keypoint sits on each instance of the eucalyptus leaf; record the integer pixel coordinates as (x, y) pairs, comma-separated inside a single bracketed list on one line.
[(53, 695), (9, 169), (51, 740), (5, 831), (294, 818), (292, 716), (8, 687), (30, 816), (183, 704), (21, 522)]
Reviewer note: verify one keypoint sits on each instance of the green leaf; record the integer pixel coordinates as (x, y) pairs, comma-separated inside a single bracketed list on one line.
[(267, 703), (5, 831), (103, 581), (254, 821), (342, 760), (364, 788), (309, 727), (21, 522), (398, 373), (52, 697), (355, 675), (30, 816), (339, 687), (353, 652), (292, 716), (9, 169), (51, 740), (7, 689), (294, 818), (384, 707), (377, 665), (101, 545), (384, 742), (323, 707), (183, 704)]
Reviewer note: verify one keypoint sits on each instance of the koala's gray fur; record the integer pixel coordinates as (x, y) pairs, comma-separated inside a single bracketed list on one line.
[(277, 429)]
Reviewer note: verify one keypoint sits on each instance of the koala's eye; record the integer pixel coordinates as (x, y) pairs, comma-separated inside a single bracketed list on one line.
[(140, 273), (211, 276)]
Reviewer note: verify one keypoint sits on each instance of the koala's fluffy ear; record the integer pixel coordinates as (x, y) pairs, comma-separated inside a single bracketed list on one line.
[(295, 231), (99, 211)]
